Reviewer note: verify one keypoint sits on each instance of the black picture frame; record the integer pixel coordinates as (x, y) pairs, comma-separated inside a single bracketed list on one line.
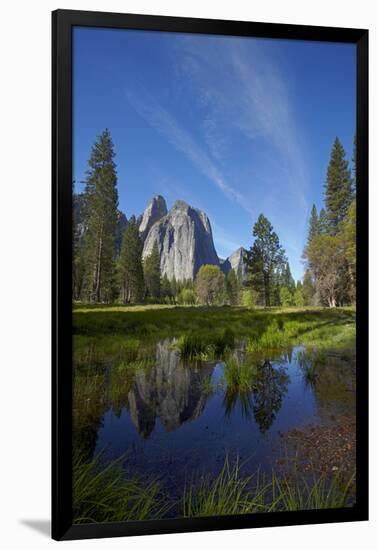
[(62, 23)]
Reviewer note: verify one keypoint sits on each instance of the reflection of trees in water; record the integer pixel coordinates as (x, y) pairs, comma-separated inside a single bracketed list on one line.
[(271, 385), (264, 399)]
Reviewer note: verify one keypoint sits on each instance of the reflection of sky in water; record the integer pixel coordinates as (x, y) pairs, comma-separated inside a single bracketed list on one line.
[(171, 428)]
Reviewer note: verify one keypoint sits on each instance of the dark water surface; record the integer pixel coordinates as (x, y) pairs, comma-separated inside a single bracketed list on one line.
[(179, 420)]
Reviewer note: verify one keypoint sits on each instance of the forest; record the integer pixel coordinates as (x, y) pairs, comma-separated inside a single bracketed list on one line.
[(108, 268)]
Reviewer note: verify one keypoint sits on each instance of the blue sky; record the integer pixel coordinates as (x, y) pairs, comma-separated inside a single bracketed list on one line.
[(234, 126)]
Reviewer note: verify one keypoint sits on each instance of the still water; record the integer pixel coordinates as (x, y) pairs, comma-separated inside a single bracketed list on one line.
[(177, 421)]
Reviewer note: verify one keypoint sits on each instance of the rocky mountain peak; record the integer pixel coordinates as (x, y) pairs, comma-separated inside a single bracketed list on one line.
[(181, 205), (155, 210), (238, 262), (185, 241)]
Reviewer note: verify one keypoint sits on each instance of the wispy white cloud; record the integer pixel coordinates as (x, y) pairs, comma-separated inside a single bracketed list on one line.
[(165, 123), (237, 84), (214, 139)]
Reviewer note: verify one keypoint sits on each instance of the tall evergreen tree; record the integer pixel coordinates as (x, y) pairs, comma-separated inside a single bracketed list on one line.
[(101, 200), (308, 289), (313, 229), (338, 188), (130, 268), (265, 257), (323, 222), (152, 274), (287, 279)]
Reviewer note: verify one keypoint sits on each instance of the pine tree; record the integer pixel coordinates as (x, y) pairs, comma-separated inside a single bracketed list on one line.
[(323, 222), (338, 188), (308, 289), (313, 229), (101, 200), (152, 273), (287, 279), (266, 256), (130, 268)]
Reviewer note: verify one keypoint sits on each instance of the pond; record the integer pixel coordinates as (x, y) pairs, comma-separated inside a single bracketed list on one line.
[(177, 420)]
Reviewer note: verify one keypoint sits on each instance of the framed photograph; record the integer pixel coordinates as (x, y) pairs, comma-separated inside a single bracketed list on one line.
[(210, 274)]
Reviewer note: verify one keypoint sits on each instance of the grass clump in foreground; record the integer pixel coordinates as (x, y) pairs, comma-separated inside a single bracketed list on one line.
[(231, 493), (238, 376), (227, 493), (104, 494), (206, 346)]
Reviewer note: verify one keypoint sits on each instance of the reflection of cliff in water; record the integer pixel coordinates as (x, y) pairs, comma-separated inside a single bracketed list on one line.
[(168, 391)]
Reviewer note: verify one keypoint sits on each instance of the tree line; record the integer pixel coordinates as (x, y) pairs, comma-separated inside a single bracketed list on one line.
[(330, 252), (106, 271)]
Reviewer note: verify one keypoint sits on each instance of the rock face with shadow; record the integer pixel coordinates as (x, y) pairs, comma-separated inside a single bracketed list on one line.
[(238, 262), (154, 211), (168, 391), (185, 241)]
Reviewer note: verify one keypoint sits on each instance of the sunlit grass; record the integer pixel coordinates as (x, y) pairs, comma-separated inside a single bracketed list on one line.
[(206, 333)]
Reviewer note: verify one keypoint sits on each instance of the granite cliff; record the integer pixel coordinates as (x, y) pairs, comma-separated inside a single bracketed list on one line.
[(184, 239), (238, 262)]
